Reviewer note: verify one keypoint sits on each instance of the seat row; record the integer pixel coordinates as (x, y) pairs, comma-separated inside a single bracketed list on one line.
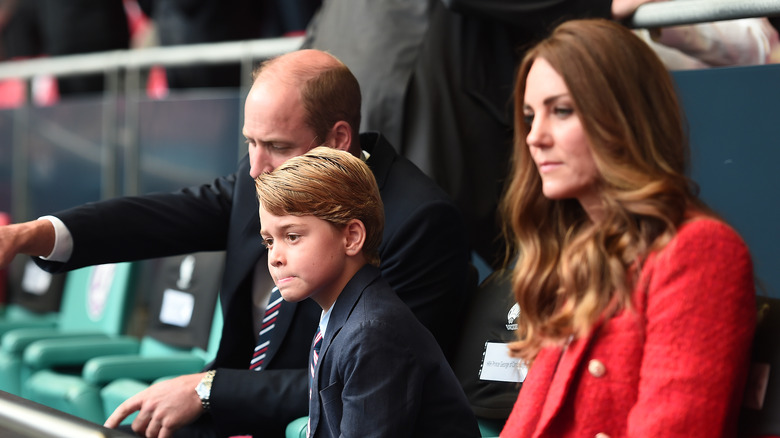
[(82, 359), (66, 341)]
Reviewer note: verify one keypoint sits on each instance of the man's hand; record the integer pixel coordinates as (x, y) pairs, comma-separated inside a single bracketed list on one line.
[(163, 407), (35, 238)]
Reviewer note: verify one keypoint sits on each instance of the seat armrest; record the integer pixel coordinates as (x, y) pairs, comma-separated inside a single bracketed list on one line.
[(48, 353), (8, 325), (16, 341), (101, 370), (297, 428)]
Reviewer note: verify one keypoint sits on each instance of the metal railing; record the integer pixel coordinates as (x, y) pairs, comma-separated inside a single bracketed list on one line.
[(660, 14), (122, 70)]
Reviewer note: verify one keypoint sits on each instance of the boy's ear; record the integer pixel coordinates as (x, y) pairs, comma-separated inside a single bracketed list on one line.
[(341, 136), (355, 237)]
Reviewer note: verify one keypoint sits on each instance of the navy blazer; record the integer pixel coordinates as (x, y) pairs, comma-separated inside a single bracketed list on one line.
[(424, 256), (381, 373)]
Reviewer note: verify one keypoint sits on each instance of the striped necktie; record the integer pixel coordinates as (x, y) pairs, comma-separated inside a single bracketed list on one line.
[(269, 322), (315, 357)]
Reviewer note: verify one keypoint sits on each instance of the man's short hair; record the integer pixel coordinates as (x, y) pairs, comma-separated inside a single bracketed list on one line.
[(329, 91)]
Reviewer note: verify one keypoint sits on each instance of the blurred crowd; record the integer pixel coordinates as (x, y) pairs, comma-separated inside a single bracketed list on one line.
[(40, 28)]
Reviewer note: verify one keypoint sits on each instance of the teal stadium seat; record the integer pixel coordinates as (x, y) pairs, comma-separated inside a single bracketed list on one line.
[(155, 370), (297, 428), (33, 296), (95, 304), (180, 337)]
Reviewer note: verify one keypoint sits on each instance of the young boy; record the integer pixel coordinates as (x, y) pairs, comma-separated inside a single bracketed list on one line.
[(376, 371)]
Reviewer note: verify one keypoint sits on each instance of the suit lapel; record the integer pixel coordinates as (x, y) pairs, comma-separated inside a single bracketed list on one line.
[(562, 377), (342, 309), (381, 156), (244, 245)]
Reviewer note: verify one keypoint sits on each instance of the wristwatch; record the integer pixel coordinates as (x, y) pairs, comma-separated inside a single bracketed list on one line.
[(204, 389)]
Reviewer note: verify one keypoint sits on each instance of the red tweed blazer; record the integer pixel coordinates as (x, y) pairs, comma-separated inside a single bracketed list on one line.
[(673, 366)]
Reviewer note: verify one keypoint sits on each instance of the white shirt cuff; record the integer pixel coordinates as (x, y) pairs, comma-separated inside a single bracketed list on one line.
[(63, 241)]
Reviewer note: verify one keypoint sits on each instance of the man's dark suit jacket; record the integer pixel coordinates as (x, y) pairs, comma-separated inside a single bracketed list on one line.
[(424, 256), (381, 373)]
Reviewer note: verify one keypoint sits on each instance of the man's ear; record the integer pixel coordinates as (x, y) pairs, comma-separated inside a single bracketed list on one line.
[(354, 237), (340, 136)]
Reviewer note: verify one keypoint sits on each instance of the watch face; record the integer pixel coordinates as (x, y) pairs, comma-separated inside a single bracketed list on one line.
[(202, 390)]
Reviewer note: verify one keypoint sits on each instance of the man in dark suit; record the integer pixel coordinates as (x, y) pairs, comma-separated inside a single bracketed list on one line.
[(298, 101)]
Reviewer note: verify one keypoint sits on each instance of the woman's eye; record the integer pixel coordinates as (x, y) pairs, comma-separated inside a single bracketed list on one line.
[(528, 119), (563, 111)]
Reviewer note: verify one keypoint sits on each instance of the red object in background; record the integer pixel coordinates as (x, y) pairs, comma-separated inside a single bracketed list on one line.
[(5, 219), (13, 93)]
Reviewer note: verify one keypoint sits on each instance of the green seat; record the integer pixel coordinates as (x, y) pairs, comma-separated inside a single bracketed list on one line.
[(168, 347), (490, 428), (33, 296), (297, 428), (125, 382), (95, 304)]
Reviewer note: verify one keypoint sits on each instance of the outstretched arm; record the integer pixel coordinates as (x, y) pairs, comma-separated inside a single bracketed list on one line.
[(35, 238)]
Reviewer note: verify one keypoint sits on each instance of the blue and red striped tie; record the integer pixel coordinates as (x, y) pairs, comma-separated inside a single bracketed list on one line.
[(315, 357), (269, 322)]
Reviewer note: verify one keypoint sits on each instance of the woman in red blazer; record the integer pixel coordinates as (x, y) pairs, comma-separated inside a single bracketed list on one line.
[(638, 303)]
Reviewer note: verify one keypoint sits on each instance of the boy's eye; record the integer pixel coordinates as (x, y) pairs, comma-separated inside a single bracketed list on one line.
[(293, 237), (268, 243)]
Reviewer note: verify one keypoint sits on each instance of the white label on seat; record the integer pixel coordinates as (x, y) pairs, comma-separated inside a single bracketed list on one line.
[(99, 288), (177, 308), (499, 366), (35, 280)]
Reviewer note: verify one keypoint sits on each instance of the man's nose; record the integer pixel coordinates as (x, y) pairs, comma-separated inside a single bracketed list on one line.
[(259, 162)]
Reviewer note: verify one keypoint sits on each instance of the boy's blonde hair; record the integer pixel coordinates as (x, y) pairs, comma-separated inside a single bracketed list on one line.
[(329, 184)]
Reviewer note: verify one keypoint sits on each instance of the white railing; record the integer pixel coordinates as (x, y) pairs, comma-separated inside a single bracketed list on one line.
[(122, 70), (659, 14), (672, 13)]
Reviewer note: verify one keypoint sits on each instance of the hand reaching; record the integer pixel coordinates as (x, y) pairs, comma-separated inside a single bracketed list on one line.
[(162, 408)]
